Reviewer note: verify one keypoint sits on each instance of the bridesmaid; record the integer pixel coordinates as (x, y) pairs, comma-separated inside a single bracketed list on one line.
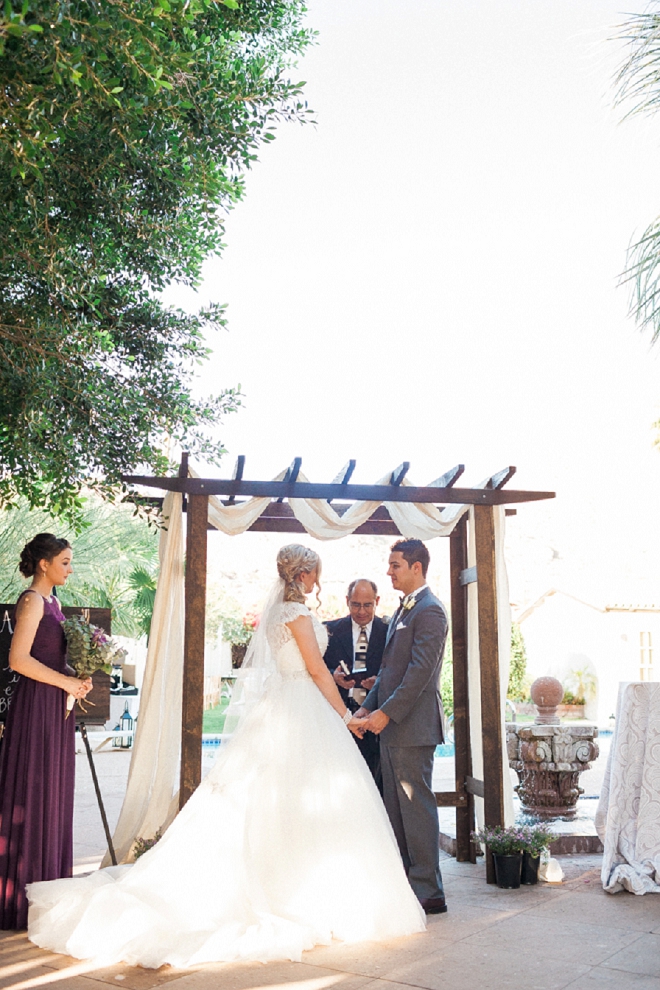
[(37, 754)]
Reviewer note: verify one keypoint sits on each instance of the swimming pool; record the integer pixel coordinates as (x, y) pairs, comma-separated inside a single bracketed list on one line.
[(211, 741)]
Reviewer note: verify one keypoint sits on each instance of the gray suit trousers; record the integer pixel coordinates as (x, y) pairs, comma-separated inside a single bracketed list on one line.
[(410, 804)]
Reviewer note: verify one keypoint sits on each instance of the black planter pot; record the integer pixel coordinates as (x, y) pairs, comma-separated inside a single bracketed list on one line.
[(530, 869), (507, 870), (238, 651)]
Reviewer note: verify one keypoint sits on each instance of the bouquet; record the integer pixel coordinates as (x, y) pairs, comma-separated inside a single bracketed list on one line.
[(89, 649)]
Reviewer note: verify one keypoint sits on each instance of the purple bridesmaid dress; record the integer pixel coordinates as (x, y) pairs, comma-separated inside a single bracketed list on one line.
[(37, 771)]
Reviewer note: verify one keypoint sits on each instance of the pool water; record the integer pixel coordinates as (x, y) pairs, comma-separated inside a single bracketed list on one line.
[(211, 741)]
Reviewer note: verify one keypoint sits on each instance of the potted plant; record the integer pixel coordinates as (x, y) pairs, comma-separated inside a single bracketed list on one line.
[(537, 838), (238, 632), (506, 845)]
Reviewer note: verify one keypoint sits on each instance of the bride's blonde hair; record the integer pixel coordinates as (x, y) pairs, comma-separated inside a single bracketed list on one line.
[(292, 561)]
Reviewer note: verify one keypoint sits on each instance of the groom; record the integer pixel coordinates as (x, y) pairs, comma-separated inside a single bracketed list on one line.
[(403, 708)]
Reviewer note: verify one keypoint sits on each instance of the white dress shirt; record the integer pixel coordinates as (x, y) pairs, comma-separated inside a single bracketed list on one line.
[(413, 594)]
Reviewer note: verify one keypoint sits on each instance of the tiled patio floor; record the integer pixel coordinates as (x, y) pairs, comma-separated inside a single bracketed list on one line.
[(537, 938)]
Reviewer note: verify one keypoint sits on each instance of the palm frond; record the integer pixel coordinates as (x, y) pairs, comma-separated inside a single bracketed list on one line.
[(638, 87), (638, 79), (643, 274), (113, 545)]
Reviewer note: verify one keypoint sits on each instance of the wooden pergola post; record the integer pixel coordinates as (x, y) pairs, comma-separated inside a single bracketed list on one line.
[(193, 647), (465, 850), (491, 718)]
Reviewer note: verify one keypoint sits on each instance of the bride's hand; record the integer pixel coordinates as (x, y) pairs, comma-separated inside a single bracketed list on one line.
[(356, 725)]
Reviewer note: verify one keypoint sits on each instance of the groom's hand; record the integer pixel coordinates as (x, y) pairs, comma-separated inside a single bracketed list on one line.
[(362, 713), (376, 722), (356, 726)]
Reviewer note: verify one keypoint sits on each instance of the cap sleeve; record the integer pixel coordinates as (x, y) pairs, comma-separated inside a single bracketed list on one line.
[(289, 611)]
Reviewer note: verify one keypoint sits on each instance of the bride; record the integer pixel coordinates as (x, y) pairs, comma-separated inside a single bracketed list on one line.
[(285, 844)]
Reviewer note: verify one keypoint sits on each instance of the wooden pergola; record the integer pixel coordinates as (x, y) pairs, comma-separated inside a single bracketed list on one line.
[(279, 517)]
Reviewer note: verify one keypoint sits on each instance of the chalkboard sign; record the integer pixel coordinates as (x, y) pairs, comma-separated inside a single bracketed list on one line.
[(8, 679), (99, 712)]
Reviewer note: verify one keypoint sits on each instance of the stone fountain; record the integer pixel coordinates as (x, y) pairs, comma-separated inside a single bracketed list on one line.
[(549, 755)]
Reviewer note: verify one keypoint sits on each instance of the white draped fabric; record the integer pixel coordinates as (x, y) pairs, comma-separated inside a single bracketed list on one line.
[(320, 519), (152, 791), (628, 815), (151, 799)]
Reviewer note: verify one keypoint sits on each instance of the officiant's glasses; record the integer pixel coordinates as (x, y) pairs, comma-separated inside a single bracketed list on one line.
[(367, 606)]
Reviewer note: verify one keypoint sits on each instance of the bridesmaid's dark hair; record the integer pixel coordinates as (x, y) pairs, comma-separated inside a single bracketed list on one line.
[(43, 546)]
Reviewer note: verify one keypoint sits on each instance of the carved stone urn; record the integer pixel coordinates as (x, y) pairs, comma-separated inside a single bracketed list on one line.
[(549, 756)]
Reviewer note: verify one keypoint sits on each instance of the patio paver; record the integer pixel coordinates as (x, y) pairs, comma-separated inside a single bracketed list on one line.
[(549, 937)]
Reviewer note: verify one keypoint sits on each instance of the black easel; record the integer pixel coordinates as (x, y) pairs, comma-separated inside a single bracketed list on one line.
[(111, 849)]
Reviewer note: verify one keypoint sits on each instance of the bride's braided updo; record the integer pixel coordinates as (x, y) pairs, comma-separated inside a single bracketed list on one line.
[(292, 561)]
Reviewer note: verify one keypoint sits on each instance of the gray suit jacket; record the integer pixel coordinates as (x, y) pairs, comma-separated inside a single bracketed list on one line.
[(408, 685)]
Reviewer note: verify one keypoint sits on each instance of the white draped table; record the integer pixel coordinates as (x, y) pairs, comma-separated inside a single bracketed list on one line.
[(628, 816)]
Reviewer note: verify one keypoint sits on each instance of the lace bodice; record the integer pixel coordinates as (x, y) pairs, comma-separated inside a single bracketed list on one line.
[(286, 654)]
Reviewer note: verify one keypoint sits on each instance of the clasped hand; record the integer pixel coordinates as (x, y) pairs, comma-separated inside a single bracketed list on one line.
[(366, 721), (79, 688)]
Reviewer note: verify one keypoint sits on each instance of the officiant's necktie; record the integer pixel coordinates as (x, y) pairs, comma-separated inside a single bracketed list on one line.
[(360, 663), (361, 648)]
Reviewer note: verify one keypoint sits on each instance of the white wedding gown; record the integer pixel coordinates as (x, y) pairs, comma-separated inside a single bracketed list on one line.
[(285, 845)]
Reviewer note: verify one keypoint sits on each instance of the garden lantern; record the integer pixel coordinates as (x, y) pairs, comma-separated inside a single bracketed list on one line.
[(126, 723)]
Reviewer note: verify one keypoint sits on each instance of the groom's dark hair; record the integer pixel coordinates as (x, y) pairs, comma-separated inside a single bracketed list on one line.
[(413, 550)]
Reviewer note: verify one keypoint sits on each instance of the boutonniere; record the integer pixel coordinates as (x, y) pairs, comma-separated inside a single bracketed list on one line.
[(409, 604)]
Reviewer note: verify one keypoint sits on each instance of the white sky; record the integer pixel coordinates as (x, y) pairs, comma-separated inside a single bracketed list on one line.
[(430, 274)]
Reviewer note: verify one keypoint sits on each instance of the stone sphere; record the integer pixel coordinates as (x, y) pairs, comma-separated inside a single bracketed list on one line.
[(547, 692)]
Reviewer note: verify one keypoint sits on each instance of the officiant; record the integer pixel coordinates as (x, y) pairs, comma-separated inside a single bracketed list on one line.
[(355, 651)]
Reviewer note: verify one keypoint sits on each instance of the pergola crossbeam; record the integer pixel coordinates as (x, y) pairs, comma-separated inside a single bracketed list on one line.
[(500, 479), (239, 467), (292, 473), (347, 493), (278, 517), (344, 475), (399, 474), (449, 478)]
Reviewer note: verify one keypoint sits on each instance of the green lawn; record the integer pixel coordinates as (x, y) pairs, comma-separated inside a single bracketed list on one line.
[(214, 718)]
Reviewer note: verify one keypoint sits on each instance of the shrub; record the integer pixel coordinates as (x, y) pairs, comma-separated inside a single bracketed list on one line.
[(518, 686), (532, 839), (538, 838), (570, 699), (500, 840)]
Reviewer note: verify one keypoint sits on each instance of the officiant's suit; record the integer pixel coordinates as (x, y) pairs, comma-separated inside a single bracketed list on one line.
[(407, 691), (341, 648)]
